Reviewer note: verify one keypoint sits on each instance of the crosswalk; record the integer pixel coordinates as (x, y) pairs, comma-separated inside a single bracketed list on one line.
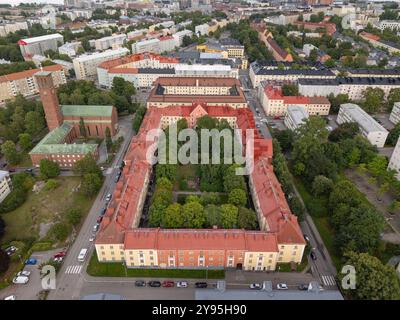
[(328, 280), (73, 269)]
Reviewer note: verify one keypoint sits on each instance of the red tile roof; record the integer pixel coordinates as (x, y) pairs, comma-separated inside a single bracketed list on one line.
[(274, 93), (369, 36), (28, 73)]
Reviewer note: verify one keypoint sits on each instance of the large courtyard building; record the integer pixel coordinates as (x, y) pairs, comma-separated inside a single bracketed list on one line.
[(25, 83), (280, 239), (372, 130), (38, 45), (64, 123), (276, 104), (177, 91), (5, 185), (85, 66)]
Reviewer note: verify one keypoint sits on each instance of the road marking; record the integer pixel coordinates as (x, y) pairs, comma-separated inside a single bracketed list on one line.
[(73, 269), (328, 280)]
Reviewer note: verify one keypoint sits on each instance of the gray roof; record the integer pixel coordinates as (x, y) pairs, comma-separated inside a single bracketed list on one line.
[(3, 174), (212, 294), (298, 114)]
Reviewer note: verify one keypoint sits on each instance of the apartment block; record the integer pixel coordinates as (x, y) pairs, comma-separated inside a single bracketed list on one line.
[(38, 45), (276, 104), (85, 66), (180, 35), (295, 117), (395, 114), (11, 27), (24, 82), (372, 130), (5, 185), (202, 29), (394, 162), (114, 41)]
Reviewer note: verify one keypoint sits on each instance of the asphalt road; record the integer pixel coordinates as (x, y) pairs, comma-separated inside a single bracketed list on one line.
[(68, 280)]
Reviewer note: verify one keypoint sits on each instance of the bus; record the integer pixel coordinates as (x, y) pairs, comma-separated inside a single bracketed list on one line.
[(82, 255)]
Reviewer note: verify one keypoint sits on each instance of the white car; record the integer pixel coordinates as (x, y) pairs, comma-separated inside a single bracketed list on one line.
[(24, 273), (92, 238), (58, 259), (255, 286), (282, 286), (182, 284), (21, 280), (10, 298), (108, 197)]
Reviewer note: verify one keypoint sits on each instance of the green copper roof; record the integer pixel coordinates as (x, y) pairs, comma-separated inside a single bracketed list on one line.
[(86, 111), (53, 142)]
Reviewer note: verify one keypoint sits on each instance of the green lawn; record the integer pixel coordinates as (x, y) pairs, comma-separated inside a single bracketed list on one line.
[(185, 174), (117, 269)]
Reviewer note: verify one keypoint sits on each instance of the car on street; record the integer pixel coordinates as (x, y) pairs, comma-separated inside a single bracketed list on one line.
[(117, 176), (306, 238), (96, 227), (108, 197), (154, 284), (313, 255), (12, 297), (11, 250), (257, 125), (99, 219), (182, 284), (140, 283), (303, 287), (168, 284), (58, 259), (24, 273), (200, 284), (282, 286), (92, 238), (255, 286), (103, 211), (60, 254), (21, 280), (31, 261)]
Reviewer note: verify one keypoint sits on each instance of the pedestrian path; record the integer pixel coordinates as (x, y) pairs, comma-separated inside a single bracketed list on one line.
[(73, 269), (328, 280)]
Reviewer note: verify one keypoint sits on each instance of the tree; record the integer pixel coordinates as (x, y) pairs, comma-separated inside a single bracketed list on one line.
[(394, 96), (166, 170), (2, 227), (59, 231), (4, 261), (91, 184), (173, 217), (290, 90), (373, 99), (229, 216), (108, 139), (321, 185), (123, 88), (87, 165), (49, 169), (213, 215), (194, 215), (82, 128), (25, 141), (285, 138), (347, 130), (375, 281), (247, 219), (237, 197), (74, 216), (232, 180), (336, 101), (10, 152), (393, 135)]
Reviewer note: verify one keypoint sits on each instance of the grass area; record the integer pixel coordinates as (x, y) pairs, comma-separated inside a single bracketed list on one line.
[(117, 269), (318, 209), (186, 173), (23, 224)]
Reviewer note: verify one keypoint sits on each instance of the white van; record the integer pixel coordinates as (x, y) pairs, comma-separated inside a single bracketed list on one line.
[(82, 255), (21, 280)]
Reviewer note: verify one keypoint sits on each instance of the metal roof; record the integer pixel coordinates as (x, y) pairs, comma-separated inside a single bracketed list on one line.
[(86, 111)]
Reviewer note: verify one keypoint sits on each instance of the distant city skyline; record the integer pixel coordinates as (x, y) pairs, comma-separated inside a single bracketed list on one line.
[(16, 2)]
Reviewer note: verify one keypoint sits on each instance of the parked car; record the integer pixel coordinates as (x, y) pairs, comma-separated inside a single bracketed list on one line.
[(21, 280), (168, 284), (11, 250), (60, 254), (277, 118), (92, 238), (58, 259), (108, 197), (103, 211), (303, 287), (99, 219), (96, 227), (201, 284), (24, 273), (31, 261), (282, 286), (255, 286), (313, 255), (182, 284), (12, 297), (306, 238), (140, 283), (154, 284)]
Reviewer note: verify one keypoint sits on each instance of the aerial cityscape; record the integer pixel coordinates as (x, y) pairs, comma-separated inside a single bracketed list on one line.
[(200, 150)]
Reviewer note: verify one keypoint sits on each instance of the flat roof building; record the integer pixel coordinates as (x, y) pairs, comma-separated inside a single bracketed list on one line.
[(5, 185), (395, 114), (38, 45), (372, 130), (295, 117)]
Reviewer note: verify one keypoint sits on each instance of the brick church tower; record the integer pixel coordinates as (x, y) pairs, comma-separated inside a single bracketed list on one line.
[(49, 99)]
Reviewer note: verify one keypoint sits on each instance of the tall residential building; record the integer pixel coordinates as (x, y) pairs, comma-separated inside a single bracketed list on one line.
[(372, 130), (85, 66), (110, 42), (38, 45), (5, 185), (24, 82), (12, 26), (180, 35), (394, 162), (295, 117), (395, 114)]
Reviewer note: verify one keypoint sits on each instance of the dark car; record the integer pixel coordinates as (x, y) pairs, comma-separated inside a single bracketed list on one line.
[(201, 284), (140, 283), (303, 287), (154, 284), (313, 255), (99, 219), (168, 284), (103, 211)]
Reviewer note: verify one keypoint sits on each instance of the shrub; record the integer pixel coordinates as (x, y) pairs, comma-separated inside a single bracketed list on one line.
[(59, 231), (51, 184)]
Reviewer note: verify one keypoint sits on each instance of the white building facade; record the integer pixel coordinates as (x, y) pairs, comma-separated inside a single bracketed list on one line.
[(5, 185)]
